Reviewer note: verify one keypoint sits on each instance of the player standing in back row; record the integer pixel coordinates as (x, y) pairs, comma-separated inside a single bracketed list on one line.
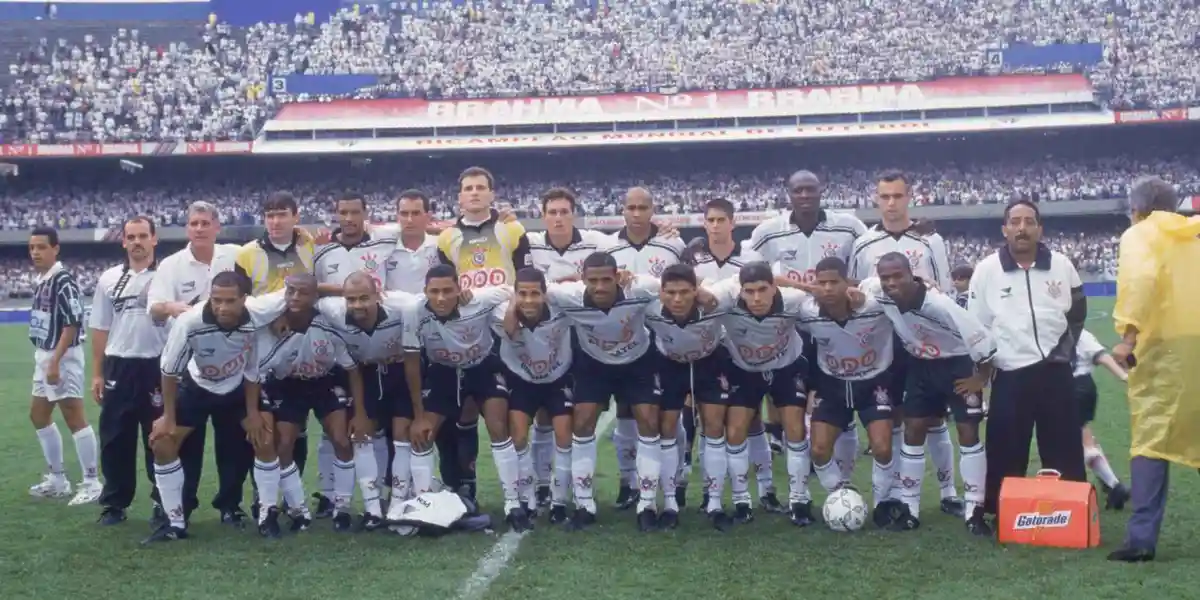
[(926, 253), (56, 330), (793, 243)]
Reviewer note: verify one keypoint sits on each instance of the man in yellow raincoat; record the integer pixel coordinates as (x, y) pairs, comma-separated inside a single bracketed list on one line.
[(1158, 284)]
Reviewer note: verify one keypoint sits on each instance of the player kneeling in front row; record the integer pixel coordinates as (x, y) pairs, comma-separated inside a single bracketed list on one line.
[(854, 355), (951, 356), (535, 347), (299, 368), (373, 326), (459, 346), (693, 363), (209, 364)]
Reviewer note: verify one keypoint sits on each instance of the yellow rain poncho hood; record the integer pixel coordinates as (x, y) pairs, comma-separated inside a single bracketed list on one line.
[(1158, 293)]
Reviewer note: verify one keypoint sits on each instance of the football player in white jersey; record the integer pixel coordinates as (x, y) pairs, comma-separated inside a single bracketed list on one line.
[(299, 372), (558, 252), (768, 359), (717, 256), (694, 363), (614, 360), (854, 357), (1089, 353), (951, 355), (642, 248), (535, 347), (794, 242), (458, 343), (926, 253), (352, 248)]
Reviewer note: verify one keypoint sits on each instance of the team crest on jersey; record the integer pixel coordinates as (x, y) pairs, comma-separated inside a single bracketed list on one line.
[(369, 262), (830, 249), (479, 256), (156, 399), (320, 347), (882, 397), (973, 400), (657, 265), (1054, 288), (914, 258), (865, 337)]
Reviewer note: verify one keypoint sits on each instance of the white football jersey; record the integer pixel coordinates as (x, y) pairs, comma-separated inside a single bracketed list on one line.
[(540, 353), (859, 349), (218, 359), (120, 306), (760, 344), (649, 258), (794, 254), (307, 354), (558, 263), (462, 340), (1087, 350), (710, 268), (697, 337), (405, 269), (333, 263), (937, 328), (616, 336), (383, 342), (926, 255)]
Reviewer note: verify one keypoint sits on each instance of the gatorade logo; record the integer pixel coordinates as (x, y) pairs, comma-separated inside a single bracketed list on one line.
[(1057, 519)]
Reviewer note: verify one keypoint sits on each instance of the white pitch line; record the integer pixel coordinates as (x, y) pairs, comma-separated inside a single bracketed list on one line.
[(505, 549)]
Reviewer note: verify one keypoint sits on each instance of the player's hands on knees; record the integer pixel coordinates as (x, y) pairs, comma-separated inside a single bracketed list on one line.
[(420, 433), (360, 428), (98, 390), (970, 385), (812, 402), (163, 428), (259, 432)]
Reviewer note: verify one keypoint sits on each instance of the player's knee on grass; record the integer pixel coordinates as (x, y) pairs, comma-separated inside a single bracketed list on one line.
[(968, 433)]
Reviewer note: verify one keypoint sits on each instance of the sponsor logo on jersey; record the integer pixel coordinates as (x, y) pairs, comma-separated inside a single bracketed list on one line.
[(1055, 520)]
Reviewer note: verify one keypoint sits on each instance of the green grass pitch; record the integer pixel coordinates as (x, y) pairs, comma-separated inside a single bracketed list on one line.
[(50, 550)]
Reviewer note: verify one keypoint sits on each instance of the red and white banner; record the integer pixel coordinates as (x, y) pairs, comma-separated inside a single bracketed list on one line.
[(688, 220), (676, 136), (950, 93), (122, 150), (1190, 204), (1165, 115)]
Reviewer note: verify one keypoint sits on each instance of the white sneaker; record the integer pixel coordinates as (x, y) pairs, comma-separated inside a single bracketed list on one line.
[(89, 491), (395, 511), (51, 486)]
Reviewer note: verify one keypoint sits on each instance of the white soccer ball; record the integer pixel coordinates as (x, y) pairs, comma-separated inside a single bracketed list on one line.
[(845, 510)]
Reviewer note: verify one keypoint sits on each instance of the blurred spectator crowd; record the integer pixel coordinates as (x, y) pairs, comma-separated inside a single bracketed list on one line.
[(212, 81)]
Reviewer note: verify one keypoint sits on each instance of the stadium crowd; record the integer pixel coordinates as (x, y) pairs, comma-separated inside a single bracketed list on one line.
[(214, 83)]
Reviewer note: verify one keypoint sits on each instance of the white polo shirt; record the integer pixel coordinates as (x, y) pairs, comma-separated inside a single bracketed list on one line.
[(405, 269), (1026, 309), (181, 278)]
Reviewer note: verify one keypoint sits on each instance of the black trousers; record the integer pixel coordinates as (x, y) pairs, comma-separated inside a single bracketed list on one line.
[(132, 401), (235, 457), (1039, 397)]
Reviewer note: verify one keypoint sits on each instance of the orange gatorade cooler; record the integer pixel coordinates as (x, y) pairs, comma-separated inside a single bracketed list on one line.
[(1043, 510)]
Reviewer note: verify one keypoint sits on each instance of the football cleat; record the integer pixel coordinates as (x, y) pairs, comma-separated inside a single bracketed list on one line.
[(166, 533), (770, 503), (269, 527), (801, 514), (299, 523), (1117, 497), (324, 508), (903, 520), (954, 506), (742, 513), (647, 521), (977, 525), (626, 498), (158, 516), (1131, 555), (681, 496), (342, 522), (543, 496), (885, 512), (582, 519), (368, 522), (558, 514), (235, 518), (668, 520), (112, 515), (703, 508), (87, 492), (51, 487), (518, 520), (720, 521)]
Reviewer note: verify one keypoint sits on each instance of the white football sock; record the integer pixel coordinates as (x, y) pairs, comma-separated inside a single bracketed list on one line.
[(583, 471), (86, 449), (738, 459), (973, 463), (829, 475), (715, 463), (325, 458), (883, 477), (912, 471), (379, 447), (649, 469), (292, 487), (266, 479), (897, 446), (52, 449), (759, 448), (845, 452), (401, 471), (543, 454), (683, 469), (343, 484), (625, 441), (670, 474), (941, 450), (169, 479), (799, 467), (508, 471), (367, 472), (560, 490), (1098, 463), (422, 471), (525, 477)]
